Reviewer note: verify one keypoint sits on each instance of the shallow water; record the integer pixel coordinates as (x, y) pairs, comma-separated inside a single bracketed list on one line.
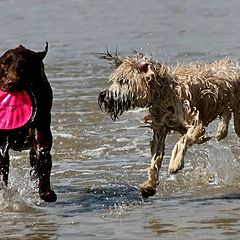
[(98, 164)]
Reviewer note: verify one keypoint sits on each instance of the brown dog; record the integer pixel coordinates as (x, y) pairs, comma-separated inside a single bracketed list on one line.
[(22, 69), (184, 98)]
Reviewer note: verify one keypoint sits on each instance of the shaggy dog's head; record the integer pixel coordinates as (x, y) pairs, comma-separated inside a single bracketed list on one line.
[(133, 83)]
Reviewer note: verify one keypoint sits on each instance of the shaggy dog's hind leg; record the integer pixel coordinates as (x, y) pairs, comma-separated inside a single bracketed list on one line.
[(148, 188), (195, 134), (222, 130)]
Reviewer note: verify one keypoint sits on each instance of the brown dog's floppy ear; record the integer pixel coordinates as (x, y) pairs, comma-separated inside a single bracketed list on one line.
[(44, 53), (21, 46)]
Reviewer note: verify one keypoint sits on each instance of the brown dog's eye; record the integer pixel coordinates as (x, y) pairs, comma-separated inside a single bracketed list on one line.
[(21, 70)]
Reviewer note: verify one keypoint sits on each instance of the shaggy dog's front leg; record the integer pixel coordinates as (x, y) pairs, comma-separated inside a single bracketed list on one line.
[(148, 188), (195, 134)]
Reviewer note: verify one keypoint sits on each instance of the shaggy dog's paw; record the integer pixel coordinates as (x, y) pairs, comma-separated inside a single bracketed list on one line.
[(48, 196), (147, 189), (148, 192), (174, 168)]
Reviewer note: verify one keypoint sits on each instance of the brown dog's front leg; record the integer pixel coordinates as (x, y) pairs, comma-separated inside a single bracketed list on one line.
[(4, 160), (41, 162)]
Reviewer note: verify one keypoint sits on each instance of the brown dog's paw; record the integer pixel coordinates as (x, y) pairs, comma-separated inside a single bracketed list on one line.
[(48, 196), (147, 191)]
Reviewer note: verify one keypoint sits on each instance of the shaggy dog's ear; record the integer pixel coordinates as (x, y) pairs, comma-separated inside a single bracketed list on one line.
[(143, 67), (146, 68)]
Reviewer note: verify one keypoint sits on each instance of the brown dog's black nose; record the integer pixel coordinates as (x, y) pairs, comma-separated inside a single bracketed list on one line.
[(12, 85)]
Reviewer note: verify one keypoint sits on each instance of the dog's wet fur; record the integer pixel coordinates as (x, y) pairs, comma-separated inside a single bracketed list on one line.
[(183, 98), (23, 69)]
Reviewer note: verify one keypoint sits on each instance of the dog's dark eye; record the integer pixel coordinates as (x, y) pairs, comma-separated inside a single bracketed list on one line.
[(21, 70), (21, 65), (124, 81)]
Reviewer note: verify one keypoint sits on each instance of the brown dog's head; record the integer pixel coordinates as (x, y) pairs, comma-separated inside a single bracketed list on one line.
[(18, 68)]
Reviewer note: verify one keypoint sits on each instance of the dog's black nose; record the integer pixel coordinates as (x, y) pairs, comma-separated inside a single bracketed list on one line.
[(102, 94), (101, 98), (12, 85)]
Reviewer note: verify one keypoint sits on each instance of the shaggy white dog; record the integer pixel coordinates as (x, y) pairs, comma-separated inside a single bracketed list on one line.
[(184, 98)]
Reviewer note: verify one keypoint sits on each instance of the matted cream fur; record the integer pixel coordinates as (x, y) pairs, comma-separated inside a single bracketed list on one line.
[(183, 98)]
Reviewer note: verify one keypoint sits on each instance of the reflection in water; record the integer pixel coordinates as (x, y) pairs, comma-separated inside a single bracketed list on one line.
[(157, 227), (29, 225), (95, 199)]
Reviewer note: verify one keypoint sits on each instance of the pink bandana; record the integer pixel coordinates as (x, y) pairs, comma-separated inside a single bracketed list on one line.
[(16, 109)]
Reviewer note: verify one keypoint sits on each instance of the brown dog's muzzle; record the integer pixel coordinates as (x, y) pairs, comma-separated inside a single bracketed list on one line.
[(13, 86), (11, 83)]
